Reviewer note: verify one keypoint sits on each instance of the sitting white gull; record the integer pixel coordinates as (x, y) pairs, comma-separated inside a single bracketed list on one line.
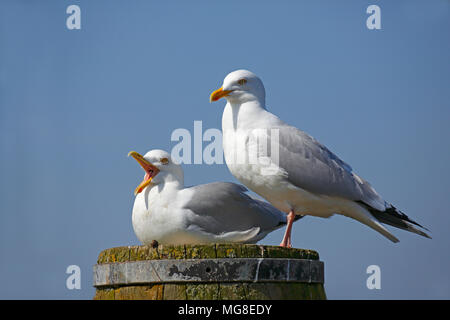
[(165, 211), (300, 176)]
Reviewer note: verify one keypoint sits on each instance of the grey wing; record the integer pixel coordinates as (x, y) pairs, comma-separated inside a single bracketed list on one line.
[(222, 207), (311, 166)]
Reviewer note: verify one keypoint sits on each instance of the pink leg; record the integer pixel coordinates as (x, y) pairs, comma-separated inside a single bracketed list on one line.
[(287, 234)]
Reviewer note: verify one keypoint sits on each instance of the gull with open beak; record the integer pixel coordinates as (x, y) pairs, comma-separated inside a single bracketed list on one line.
[(301, 176), (165, 211)]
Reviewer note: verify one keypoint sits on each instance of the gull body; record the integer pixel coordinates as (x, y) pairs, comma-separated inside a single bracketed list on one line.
[(166, 211), (296, 174)]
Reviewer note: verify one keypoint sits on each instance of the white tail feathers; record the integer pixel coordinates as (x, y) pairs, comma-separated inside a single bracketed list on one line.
[(360, 213)]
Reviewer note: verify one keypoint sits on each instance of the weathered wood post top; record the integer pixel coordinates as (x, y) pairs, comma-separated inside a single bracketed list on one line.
[(209, 272)]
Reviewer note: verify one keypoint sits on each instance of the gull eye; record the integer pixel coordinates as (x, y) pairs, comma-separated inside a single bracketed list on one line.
[(164, 161), (242, 82)]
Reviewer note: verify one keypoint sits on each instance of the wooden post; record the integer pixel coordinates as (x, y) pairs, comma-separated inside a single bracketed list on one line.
[(209, 272)]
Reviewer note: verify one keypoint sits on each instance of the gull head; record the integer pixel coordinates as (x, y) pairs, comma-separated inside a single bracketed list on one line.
[(159, 168), (240, 86)]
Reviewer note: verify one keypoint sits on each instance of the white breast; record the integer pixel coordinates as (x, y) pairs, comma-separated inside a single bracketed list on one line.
[(261, 174), (155, 216), (249, 161)]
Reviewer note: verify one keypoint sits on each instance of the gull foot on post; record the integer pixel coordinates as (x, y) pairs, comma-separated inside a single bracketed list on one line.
[(287, 234)]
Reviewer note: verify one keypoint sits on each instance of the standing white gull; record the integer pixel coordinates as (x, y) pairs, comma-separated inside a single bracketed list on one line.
[(302, 176), (166, 211)]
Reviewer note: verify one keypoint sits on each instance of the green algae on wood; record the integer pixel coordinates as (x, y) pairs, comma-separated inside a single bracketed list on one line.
[(138, 253), (249, 290)]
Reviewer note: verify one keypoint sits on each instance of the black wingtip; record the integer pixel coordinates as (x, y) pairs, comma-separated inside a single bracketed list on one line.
[(398, 214), (394, 217)]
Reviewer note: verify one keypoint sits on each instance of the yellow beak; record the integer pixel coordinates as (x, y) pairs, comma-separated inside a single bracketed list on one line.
[(219, 93), (150, 171)]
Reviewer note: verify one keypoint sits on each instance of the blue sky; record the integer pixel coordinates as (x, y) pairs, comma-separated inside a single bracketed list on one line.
[(74, 102)]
